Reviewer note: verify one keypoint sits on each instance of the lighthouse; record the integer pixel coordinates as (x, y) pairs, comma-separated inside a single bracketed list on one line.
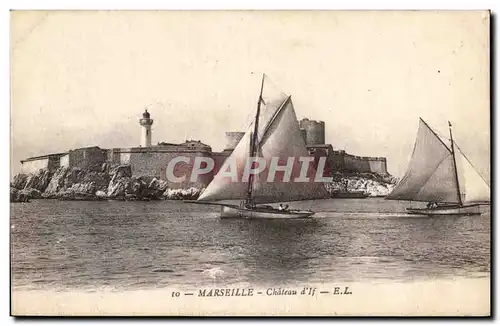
[(146, 123)]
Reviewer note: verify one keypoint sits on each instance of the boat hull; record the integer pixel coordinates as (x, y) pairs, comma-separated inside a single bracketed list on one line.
[(446, 210), (238, 212), (347, 194)]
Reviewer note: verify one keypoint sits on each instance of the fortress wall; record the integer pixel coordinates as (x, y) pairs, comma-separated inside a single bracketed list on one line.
[(33, 166), (64, 160), (125, 157), (303, 133), (50, 162), (356, 164), (75, 157), (54, 163), (318, 153), (365, 164), (378, 165), (219, 159), (341, 161), (113, 156), (154, 163), (183, 169), (148, 163), (87, 158), (336, 160)]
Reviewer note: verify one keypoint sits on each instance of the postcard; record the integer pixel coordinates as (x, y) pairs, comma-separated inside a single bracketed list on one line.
[(250, 163)]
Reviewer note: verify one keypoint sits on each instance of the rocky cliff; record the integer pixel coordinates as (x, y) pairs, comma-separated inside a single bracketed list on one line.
[(18, 196), (373, 184), (117, 182), (106, 182)]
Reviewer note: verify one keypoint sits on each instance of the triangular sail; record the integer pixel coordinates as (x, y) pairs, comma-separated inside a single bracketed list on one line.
[(430, 175), (223, 186), (473, 187), (280, 141), (278, 136)]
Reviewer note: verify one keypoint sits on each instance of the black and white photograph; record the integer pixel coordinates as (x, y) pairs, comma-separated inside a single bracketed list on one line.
[(250, 163)]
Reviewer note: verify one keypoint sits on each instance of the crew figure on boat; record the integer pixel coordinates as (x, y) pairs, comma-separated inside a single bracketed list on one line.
[(432, 205), (283, 207)]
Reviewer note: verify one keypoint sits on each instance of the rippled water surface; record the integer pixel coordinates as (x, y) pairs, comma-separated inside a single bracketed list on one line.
[(133, 245)]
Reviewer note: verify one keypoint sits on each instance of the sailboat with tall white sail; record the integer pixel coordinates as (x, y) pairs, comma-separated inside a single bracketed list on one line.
[(451, 186), (273, 137)]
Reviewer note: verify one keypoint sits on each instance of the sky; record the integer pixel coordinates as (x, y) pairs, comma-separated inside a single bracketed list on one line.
[(84, 78)]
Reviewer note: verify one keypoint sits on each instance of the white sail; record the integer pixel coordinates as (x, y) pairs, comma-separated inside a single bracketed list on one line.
[(278, 136), (473, 187), (282, 140), (431, 173), (223, 186)]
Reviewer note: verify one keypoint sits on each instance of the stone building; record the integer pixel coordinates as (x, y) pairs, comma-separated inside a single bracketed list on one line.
[(152, 160), (50, 162), (313, 133)]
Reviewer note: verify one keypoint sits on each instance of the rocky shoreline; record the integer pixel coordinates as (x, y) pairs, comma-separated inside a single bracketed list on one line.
[(373, 184), (102, 183), (116, 183)]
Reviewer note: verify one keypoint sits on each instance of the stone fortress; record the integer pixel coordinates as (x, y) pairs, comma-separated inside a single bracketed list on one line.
[(152, 160)]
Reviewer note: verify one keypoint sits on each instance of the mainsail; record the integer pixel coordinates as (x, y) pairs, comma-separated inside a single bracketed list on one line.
[(431, 175), (279, 137)]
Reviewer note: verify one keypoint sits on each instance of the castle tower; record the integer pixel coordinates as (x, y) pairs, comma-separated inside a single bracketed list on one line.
[(314, 130), (146, 123)]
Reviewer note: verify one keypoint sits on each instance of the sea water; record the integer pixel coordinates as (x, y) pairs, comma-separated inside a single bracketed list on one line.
[(84, 246), (127, 258)]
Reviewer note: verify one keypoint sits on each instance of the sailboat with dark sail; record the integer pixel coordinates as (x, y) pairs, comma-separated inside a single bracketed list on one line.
[(274, 140), (451, 186)]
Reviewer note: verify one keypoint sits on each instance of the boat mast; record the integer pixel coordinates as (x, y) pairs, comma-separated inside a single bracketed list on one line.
[(455, 166), (253, 142)]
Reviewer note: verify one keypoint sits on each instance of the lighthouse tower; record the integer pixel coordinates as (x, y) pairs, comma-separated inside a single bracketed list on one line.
[(146, 123)]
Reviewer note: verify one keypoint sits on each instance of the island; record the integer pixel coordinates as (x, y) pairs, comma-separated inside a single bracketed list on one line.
[(139, 173)]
